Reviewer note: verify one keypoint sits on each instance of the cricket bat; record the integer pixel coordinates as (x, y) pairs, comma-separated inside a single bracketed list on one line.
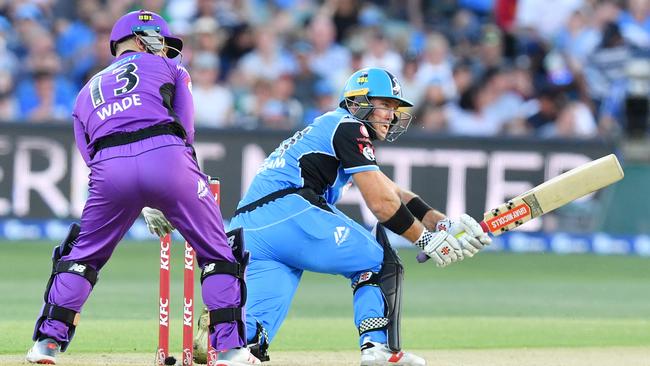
[(548, 196)]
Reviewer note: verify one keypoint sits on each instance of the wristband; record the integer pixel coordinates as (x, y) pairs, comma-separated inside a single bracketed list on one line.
[(418, 207), (400, 221)]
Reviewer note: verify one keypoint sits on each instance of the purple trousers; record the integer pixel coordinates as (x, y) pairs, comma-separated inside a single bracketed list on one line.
[(158, 172)]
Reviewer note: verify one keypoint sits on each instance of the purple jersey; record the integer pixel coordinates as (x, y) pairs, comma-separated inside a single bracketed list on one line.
[(137, 90)]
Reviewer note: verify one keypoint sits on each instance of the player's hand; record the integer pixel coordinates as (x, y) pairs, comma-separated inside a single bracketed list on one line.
[(441, 246), (467, 231), (156, 222), (480, 238)]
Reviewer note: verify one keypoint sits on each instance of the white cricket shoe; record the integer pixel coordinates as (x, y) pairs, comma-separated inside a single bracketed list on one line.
[(237, 357), (378, 354), (43, 352)]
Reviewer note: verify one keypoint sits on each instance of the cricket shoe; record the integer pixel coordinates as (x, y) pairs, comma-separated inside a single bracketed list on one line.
[(378, 354), (241, 356), (44, 351)]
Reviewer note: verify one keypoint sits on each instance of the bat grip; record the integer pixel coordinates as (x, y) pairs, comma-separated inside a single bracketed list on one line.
[(423, 257)]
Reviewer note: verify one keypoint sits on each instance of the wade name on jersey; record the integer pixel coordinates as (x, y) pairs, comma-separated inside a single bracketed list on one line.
[(120, 106)]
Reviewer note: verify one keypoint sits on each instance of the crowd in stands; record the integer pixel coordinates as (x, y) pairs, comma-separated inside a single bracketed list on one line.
[(547, 68)]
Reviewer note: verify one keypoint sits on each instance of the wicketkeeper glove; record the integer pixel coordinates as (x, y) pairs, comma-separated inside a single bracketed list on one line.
[(156, 222)]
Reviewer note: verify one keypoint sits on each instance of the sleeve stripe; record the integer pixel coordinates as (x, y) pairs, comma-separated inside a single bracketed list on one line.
[(364, 168)]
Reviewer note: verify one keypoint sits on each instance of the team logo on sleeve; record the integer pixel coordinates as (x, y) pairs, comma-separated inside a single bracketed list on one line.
[(202, 188), (364, 131), (368, 152)]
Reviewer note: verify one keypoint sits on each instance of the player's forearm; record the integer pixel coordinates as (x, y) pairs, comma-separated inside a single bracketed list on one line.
[(428, 215), (384, 206), (431, 219)]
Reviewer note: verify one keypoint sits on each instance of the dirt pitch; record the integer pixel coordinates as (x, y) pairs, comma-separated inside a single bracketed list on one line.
[(611, 356)]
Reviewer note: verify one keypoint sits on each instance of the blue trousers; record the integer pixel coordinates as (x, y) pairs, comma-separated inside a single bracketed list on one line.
[(290, 235)]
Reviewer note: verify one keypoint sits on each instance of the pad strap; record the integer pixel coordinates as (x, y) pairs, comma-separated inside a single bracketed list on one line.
[(370, 324), (224, 315), (234, 269), (365, 279), (65, 315), (83, 270)]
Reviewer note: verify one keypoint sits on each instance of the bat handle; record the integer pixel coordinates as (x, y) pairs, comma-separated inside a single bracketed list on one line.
[(422, 257)]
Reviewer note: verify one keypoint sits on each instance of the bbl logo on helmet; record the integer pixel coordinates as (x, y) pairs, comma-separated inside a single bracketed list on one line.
[(363, 78), (145, 16)]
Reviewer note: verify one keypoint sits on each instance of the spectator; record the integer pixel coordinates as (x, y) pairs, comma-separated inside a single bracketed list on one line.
[(533, 15), (329, 60), (436, 64), (432, 114), (490, 50), (8, 60), (267, 60), (45, 98), (578, 38), (250, 105), (413, 87), (463, 77), (345, 16), (8, 102), (574, 121), (605, 73), (470, 117), (464, 33), (305, 78), (100, 57), (547, 106), (380, 54), (635, 23), (323, 101), (213, 102), (282, 111), (207, 36), (75, 41)]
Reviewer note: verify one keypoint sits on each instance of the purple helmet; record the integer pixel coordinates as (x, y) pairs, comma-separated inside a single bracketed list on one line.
[(143, 20)]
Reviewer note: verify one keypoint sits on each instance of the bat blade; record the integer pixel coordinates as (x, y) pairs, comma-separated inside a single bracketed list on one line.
[(548, 196), (554, 193)]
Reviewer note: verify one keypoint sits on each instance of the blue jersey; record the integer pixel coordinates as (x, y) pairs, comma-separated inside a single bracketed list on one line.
[(323, 157)]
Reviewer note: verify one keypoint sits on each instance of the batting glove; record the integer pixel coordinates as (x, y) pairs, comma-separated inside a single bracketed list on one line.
[(441, 246)]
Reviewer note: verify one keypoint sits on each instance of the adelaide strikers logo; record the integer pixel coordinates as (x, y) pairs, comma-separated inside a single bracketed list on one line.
[(364, 131), (369, 153)]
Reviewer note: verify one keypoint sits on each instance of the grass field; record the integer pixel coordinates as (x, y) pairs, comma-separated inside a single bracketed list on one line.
[(494, 304)]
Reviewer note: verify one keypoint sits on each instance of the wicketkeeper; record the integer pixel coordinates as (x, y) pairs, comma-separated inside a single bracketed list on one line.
[(133, 124)]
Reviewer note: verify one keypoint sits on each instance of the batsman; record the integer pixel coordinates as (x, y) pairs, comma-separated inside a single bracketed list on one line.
[(134, 127), (291, 223)]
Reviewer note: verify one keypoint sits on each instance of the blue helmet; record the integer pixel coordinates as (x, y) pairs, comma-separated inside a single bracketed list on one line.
[(374, 82)]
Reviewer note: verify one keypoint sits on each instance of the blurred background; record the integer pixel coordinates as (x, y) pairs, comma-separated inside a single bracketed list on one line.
[(507, 94)]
